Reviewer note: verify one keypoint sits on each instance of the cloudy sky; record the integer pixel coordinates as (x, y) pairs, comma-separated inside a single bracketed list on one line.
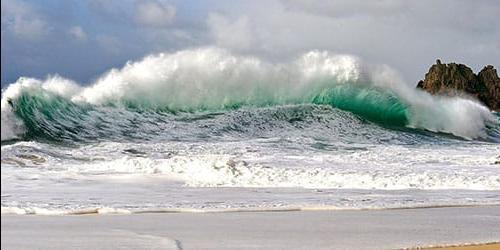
[(81, 39)]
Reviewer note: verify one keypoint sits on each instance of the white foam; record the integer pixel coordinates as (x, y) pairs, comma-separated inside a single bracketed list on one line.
[(180, 177), (32, 210), (67, 211), (383, 168), (13, 210)]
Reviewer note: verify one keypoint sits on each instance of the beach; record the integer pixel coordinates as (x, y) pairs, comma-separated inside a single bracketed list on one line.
[(333, 229), (159, 124)]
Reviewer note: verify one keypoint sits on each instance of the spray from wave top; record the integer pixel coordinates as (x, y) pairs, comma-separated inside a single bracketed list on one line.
[(214, 79)]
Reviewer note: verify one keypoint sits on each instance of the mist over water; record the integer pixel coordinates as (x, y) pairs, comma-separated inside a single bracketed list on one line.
[(188, 121)]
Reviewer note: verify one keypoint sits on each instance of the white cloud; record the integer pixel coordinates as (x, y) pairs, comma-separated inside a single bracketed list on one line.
[(228, 34), (154, 13), (77, 33), (23, 21)]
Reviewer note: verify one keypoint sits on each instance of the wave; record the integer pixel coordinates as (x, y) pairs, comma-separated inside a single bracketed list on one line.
[(212, 80)]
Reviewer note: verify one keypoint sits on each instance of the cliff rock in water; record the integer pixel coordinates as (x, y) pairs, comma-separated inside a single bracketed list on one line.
[(457, 79)]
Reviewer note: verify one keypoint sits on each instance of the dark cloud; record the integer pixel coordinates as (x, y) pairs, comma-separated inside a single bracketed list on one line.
[(87, 38), (348, 8), (82, 39)]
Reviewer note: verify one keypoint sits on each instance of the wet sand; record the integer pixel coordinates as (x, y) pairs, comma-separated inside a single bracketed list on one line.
[(366, 229)]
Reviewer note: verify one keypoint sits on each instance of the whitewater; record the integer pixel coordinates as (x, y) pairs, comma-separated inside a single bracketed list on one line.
[(207, 130)]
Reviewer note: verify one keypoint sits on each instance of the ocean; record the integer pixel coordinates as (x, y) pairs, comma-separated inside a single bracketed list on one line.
[(208, 130)]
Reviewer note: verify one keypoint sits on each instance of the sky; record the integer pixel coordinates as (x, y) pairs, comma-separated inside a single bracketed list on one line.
[(82, 39)]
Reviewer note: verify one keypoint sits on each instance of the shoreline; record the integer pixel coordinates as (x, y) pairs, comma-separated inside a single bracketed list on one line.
[(5, 211), (423, 228)]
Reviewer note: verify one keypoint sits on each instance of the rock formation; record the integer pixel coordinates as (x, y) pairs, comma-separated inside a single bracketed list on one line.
[(457, 79)]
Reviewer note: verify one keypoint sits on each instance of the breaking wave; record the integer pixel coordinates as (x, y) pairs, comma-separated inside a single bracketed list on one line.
[(138, 99)]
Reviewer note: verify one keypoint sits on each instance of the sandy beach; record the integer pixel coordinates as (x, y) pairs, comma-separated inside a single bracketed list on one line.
[(486, 246), (365, 229)]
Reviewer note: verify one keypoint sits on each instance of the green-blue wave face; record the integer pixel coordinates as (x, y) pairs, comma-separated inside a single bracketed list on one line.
[(49, 116), (370, 103), (52, 117)]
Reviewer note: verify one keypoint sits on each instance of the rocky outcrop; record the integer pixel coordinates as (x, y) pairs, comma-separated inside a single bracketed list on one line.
[(489, 77), (457, 79)]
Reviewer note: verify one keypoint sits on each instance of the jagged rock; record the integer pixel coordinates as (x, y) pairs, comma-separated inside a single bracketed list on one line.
[(457, 79), (489, 77)]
